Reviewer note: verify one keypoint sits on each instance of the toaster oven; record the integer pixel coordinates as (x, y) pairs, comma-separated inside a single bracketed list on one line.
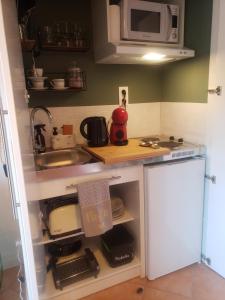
[(63, 217)]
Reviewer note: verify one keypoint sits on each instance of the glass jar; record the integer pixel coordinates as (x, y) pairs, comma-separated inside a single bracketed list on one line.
[(75, 77)]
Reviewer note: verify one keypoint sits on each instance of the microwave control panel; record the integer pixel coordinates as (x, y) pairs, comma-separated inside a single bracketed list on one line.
[(173, 20)]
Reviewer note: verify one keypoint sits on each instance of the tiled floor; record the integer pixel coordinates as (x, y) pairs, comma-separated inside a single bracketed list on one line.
[(10, 285), (196, 282)]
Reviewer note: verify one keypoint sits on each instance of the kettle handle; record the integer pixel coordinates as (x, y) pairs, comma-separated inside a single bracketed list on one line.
[(82, 126)]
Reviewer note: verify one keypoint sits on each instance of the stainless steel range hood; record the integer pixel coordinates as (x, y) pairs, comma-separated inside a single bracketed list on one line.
[(141, 55)]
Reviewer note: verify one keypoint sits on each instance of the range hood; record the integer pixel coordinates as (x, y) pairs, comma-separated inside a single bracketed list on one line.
[(141, 55)]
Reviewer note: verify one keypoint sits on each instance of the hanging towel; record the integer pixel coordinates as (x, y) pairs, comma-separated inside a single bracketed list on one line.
[(95, 205)]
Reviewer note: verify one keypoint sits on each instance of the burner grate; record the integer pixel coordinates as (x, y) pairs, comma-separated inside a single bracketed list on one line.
[(150, 139), (169, 144)]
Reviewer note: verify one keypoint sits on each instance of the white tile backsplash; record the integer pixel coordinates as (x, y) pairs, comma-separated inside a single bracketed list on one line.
[(187, 120), (143, 118)]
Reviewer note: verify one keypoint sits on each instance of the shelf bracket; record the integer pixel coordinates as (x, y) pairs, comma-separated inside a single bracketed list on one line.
[(217, 91), (212, 178)]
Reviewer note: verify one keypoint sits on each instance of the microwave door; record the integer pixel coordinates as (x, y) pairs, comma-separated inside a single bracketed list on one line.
[(144, 21)]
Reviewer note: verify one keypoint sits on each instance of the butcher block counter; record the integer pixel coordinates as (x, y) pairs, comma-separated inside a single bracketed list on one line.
[(115, 154)]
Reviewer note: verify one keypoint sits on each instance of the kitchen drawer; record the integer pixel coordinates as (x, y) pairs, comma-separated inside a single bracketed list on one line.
[(64, 186)]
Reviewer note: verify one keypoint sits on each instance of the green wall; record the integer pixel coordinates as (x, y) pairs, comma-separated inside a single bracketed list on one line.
[(102, 80), (185, 81)]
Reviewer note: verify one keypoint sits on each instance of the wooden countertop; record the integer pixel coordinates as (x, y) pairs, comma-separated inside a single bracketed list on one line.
[(116, 154)]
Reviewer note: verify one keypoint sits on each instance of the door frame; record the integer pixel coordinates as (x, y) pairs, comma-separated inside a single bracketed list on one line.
[(13, 148)]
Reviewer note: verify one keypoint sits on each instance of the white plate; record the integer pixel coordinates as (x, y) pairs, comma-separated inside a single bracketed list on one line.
[(60, 88), (39, 89)]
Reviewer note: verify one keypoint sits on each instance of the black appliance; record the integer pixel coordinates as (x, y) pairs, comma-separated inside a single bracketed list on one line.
[(64, 247), (118, 246), (75, 269), (96, 132)]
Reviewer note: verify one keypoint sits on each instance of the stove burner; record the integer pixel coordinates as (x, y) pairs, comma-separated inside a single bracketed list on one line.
[(150, 139), (178, 148), (169, 144)]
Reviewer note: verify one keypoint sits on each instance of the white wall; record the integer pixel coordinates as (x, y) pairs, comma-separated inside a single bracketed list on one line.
[(187, 120), (8, 227)]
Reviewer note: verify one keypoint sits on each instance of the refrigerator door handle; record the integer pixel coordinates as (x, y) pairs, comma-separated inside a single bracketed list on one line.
[(5, 169), (5, 162)]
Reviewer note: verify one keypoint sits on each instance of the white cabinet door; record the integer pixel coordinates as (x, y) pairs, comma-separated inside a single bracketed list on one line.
[(15, 120), (174, 206), (215, 221)]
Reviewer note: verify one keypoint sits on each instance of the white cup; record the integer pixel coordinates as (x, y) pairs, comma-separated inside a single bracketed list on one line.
[(36, 72), (37, 84), (58, 83)]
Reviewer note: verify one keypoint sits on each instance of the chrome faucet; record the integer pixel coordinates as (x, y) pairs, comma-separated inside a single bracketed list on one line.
[(32, 115)]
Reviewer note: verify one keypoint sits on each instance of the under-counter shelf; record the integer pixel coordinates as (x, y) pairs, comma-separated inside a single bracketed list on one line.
[(106, 277), (126, 217), (127, 184)]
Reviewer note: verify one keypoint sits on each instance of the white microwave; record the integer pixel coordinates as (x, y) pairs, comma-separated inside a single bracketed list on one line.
[(150, 21)]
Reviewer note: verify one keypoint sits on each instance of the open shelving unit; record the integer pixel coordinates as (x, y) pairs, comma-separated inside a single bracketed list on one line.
[(49, 89), (52, 90), (129, 187)]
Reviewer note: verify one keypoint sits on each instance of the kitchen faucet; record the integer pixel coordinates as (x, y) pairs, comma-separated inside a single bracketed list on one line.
[(32, 115)]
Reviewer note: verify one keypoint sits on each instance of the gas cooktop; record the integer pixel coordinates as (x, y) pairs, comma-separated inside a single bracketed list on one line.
[(178, 147)]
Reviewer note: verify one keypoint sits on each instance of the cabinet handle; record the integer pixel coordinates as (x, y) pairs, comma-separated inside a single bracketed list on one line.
[(74, 186), (183, 161), (5, 169)]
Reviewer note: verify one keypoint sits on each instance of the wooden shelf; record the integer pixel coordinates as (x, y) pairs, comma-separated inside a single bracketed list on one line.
[(28, 45), (126, 217), (51, 90), (106, 277), (64, 48)]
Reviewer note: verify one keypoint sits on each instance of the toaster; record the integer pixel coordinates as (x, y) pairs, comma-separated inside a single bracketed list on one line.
[(63, 218)]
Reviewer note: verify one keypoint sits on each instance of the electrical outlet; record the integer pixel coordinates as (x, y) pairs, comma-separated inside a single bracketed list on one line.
[(122, 94)]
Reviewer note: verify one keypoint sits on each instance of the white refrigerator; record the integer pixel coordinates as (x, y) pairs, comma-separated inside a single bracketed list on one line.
[(174, 193)]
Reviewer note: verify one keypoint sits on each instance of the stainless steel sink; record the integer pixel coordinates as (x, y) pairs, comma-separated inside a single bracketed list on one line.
[(62, 158)]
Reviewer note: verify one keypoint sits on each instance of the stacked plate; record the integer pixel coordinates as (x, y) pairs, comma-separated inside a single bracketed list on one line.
[(118, 208)]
